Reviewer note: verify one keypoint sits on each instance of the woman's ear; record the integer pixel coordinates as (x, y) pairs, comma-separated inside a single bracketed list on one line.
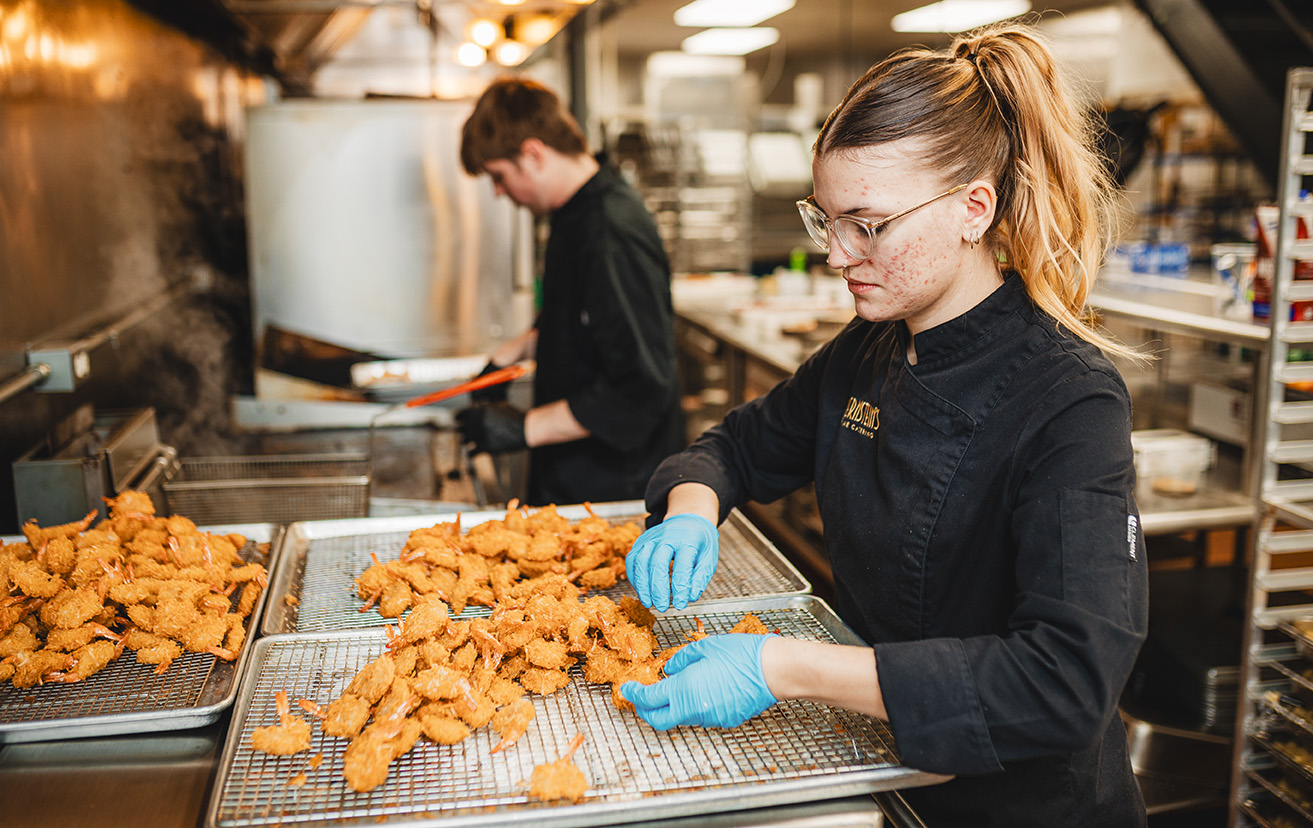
[(981, 200)]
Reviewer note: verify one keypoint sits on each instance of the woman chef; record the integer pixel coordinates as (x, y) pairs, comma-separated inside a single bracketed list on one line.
[(969, 440)]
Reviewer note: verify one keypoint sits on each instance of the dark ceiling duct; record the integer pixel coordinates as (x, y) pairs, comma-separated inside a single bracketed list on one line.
[(1238, 52), (209, 22)]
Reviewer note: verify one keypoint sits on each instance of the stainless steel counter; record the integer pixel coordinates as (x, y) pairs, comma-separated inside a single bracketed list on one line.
[(164, 781), (160, 780)]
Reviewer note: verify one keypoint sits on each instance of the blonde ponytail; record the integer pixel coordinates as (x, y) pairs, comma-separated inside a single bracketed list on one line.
[(994, 105)]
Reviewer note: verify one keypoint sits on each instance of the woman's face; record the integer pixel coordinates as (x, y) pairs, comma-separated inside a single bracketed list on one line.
[(916, 272)]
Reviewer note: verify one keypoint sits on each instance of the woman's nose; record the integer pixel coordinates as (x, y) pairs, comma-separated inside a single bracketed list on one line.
[(837, 257)]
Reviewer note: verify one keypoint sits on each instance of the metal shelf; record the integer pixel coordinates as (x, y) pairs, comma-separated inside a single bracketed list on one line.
[(1280, 579)]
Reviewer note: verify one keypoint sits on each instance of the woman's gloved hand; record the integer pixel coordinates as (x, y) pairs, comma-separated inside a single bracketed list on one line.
[(495, 428), (714, 682), (493, 393), (691, 543)]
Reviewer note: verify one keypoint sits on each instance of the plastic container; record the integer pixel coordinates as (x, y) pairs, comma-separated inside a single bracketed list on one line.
[(1170, 462), (1233, 271), (1167, 259)]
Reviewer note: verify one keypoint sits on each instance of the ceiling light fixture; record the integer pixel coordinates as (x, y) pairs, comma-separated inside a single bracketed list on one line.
[(729, 13), (471, 55), (730, 41), (957, 15), (483, 32), (510, 53), (536, 29)]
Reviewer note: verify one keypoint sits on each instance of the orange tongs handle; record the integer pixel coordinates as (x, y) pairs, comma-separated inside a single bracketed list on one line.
[(497, 377)]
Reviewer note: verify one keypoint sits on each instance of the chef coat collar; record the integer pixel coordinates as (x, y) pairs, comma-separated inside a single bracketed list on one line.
[(949, 337), (601, 181)]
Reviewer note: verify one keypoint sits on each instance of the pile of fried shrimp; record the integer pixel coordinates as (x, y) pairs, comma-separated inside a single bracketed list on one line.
[(443, 678), (482, 565), (74, 597)]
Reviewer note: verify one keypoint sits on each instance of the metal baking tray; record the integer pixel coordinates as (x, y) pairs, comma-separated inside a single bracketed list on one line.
[(128, 697), (314, 589), (1271, 781), (795, 752)]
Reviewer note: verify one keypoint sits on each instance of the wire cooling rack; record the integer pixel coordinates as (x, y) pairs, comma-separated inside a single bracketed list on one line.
[(796, 751), (314, 589), (129, 697)]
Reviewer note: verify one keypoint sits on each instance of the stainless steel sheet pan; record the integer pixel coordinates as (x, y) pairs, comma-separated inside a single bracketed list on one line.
[(127, 696), (313, 589), (795, 752)]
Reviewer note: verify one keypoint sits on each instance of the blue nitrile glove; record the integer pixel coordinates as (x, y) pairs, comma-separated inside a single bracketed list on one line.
[(713, 682), (692, 543)]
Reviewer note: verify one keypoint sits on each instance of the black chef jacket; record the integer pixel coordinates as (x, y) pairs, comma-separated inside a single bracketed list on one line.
[(606, 345), (981, 527)]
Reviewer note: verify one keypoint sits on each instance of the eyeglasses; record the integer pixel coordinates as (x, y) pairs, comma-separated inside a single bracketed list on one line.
[(856, 235)]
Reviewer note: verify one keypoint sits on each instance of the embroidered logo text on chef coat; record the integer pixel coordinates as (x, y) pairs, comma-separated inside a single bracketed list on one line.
[(1132, 530), (861, 417)]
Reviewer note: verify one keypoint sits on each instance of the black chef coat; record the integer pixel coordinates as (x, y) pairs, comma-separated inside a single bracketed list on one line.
[(606, 345), (980, 522)]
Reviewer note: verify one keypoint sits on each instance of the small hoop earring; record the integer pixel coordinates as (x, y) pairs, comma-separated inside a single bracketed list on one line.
[(975, 238)]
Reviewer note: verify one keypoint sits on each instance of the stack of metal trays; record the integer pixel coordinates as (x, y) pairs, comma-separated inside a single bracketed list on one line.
[(314, 585), (794, 752), (317, 639), (129, 697)]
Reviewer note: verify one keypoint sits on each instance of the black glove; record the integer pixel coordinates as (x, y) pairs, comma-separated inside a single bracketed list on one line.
[(495, 428), (493, 393)]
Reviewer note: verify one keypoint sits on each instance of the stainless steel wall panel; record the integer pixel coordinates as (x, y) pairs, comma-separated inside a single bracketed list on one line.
[(365, 231)]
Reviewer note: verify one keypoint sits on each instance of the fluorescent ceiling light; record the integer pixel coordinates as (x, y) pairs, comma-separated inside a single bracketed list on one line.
[(730, 41), (958, 15), (733, 13), (684, 65)]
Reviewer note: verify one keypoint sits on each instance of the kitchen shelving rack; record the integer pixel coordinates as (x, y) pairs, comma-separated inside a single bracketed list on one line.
[(1272, 775)]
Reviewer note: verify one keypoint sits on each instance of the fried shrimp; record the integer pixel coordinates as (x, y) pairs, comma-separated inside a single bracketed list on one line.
[(561, 779), (440, 683), (365, 763), (526, 553), (511, 722), (550, 655), (157, 586), (443, 730), (87, 660), (342, 718), (290, 735), (443, 677), (750, 624)]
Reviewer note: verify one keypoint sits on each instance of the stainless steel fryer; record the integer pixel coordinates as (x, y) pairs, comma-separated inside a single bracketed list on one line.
[(314, 587), (795, 752), (276, 488), (127, 696)]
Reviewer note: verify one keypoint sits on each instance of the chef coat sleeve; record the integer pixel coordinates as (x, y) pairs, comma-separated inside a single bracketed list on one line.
[(629, 320), (1050, 684), (763, 450)]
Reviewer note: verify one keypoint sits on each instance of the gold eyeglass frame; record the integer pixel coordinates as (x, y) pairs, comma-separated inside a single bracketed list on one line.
[(872, 227)]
